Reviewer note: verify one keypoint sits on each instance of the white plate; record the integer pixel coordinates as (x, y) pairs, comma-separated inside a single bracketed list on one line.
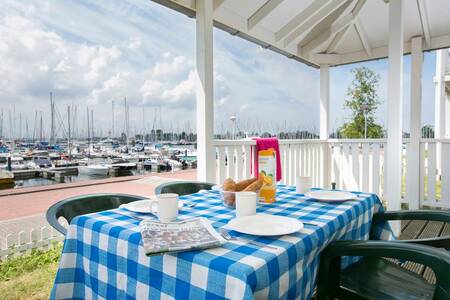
[(143, 206), (265, 225), (331, 196)]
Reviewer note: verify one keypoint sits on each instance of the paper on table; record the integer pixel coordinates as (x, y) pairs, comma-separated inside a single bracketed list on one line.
[(191, 234)]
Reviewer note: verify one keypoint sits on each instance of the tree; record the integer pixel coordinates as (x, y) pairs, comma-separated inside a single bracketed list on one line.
[(363, 101)]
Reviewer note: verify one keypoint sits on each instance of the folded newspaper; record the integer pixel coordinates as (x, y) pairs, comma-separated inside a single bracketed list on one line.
[(191, 234)]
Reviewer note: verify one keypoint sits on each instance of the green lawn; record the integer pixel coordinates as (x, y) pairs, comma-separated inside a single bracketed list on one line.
[(30, 276)]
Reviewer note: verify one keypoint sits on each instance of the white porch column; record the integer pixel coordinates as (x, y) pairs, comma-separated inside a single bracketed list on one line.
[(206, 161), (413, 162), (324, 117), (324, 101), (440, 97), (393, 162), (439, 104)]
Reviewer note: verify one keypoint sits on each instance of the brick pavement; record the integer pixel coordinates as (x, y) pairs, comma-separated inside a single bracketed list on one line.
[(24, 209)]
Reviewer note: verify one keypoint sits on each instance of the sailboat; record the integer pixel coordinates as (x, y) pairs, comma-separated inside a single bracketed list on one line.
[(93, 170)]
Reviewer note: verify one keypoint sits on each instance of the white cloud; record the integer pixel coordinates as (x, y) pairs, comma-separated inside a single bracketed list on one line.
[(183, 90), (94, 53), (174, 66)]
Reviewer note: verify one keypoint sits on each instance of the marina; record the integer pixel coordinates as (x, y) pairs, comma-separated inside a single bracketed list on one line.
[(32, 164)]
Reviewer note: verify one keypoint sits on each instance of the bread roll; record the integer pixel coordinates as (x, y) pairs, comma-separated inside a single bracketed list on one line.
[(255, 186), (229, 185), (241, 185)]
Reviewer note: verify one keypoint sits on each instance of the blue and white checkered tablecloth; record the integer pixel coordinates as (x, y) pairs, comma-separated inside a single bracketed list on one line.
[(103, 256)]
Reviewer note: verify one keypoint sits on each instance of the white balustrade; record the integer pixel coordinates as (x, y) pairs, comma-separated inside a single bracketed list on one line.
[(434, 177), (298, 158), (357, 164)]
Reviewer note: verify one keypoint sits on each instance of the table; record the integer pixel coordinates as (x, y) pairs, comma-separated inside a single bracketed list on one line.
[(103, 256)]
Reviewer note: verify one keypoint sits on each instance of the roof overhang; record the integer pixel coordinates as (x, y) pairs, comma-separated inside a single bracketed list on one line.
[(333, 32)]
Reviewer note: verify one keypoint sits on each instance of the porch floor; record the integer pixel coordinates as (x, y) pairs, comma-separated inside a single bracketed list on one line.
[(423, 229)]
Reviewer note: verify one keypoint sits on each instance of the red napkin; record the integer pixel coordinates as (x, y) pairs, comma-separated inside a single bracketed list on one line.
[(265, 144)]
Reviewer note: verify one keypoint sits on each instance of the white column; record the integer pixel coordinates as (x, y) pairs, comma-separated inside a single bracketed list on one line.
[(439, 104), (206, 161), (412, 164), (324, 101), (393, 162), (324, 117)]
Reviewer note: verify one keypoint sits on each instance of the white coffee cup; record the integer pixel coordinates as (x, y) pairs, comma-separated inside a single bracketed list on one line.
[(167, 205), (245, 204), (303, 184)]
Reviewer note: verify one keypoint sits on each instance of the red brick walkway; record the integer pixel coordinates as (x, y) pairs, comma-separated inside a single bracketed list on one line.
[(35, 200)]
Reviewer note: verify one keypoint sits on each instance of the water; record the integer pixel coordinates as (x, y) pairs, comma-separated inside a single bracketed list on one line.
[(39, 181)]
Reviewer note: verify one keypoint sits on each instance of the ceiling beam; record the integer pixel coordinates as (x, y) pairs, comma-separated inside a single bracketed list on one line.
[(329, 33), (217, 4), (334, 44), (325, 11), (300, 18), (363, 37), (262, 12), (424, 21)]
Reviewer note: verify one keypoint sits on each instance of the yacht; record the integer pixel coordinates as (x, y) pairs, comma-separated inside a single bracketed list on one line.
[(95, 170)]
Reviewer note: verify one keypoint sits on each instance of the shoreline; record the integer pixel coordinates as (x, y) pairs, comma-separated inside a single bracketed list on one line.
[(28, 201)]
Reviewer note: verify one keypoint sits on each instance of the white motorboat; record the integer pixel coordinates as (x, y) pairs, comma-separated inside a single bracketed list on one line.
[(96, 170), (173, 163), (18, 163)]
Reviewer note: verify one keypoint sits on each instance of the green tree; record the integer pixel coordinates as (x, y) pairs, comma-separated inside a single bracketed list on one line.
[(363, 101)]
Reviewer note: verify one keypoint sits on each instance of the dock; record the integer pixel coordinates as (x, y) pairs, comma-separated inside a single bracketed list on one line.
[(54, 173)]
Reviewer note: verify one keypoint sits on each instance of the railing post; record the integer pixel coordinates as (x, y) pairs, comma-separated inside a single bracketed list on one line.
[(413, 154)]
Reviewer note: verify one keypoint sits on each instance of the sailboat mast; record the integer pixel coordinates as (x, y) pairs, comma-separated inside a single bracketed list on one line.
[(88, 133), (112, 115), (127, 125), (68, 137), (92, 124), (40, 129), (52, 120), (34, 126)]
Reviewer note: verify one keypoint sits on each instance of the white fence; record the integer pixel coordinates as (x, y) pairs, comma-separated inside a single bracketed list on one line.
[(24, 241), (353, 164)]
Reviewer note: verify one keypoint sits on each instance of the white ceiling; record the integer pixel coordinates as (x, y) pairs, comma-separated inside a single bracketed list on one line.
[(327, 31)]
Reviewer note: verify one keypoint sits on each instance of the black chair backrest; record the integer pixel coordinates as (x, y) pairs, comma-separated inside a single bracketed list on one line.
[(182, 187), (85, 204)]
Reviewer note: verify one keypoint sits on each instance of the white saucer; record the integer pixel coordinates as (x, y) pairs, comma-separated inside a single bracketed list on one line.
[(143, 206), (265, 225), (331, 196)]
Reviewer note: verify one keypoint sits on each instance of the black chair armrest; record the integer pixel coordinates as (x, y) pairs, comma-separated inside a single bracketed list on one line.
[(330, 265), (426, 215)]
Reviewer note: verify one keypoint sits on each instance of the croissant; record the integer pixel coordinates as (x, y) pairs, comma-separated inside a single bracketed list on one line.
[(241, 185), (255, 186), (229, 185)]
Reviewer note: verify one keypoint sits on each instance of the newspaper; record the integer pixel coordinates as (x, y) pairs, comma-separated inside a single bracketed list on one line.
[(191, 234)]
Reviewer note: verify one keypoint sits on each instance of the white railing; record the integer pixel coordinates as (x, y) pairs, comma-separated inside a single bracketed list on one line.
[(435, 172), (353, 164), (357, 164), (24, 241), (298, 157)]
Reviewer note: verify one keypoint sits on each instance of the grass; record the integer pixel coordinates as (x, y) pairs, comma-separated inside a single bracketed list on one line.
[(29, 276)]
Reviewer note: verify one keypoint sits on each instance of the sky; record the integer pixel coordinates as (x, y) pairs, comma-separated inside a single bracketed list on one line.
[(90, 53)]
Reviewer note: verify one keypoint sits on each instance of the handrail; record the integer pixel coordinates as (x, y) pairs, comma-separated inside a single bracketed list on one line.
[(318, 141), (435, 140), (233, 142), (356, 141)]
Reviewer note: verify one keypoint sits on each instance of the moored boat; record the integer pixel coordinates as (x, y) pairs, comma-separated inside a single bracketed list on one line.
[(96, 170)]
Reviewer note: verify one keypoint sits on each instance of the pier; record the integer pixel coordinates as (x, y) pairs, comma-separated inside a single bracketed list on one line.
[(55, 173)]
